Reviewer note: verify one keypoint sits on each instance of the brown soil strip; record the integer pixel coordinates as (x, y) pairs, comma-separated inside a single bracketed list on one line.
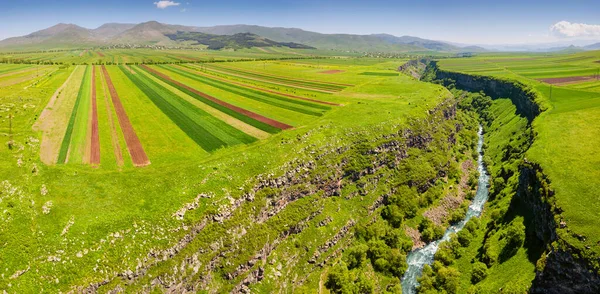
[(276, 76), (333, 71), (239, 110), (95, 143), (260, 89), (262, 49), (565, 80), (82, 52), (113, 128), (100, 54), (138, 155)]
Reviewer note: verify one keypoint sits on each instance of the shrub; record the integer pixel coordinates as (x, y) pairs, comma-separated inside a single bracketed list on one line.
[(338, 280), (356, 255), (448, 279), (479, 272)]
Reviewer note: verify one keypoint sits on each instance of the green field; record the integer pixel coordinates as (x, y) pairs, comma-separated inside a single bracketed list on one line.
[(309, 172)]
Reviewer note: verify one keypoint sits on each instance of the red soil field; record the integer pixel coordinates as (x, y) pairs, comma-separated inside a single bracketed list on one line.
[(95, 143), (239, 110), (566, 80), (333, 71), (138, 155), (100, 54), (263, 90)]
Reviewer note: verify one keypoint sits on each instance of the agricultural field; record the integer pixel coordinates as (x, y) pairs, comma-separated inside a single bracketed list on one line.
[(214, 107), (209, 169), (81, 139), (145, 55)]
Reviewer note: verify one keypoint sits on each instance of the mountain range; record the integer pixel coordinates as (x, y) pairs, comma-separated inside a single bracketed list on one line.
[(155, 33)]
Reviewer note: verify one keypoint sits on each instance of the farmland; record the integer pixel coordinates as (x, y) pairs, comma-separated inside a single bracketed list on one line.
[(201, 131), (146, 170)]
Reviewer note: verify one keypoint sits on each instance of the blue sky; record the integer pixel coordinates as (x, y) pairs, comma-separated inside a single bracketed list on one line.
[(482, 22)]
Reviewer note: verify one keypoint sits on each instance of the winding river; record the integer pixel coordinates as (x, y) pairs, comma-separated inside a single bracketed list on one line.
[(419, 258)]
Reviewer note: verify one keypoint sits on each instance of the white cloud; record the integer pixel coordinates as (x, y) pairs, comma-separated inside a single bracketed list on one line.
[(567, 29), (165, 4)]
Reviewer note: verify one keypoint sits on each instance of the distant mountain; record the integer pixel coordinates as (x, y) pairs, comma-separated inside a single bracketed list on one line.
[(375, 42), (68, 35), (237, 41), (110, 30), (595, 46), (155, 33), (150, 33)]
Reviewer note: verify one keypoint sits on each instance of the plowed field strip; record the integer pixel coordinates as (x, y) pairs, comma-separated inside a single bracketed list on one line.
[(113, 128), (566, 80), (257, 120), (100, 54), (66, 142), (250, 94), (196, 70), (134, 146), (95, 137)]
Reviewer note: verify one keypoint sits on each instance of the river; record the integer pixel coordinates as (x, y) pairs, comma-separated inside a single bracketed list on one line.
[(417, 259)]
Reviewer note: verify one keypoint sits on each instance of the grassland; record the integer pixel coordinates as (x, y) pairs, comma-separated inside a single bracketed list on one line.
[(218, 134), (567, 135), (101, 221)]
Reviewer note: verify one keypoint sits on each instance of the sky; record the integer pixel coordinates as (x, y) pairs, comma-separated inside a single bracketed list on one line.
[(459, 21)]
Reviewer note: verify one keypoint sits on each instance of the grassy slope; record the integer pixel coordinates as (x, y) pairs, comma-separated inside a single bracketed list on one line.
[(566, 142)]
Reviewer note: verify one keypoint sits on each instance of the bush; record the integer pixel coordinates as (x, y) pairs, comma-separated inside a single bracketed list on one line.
[(479, 272), (356, 256), (464, 237), (364, 285), (448, 279), (338, 280)]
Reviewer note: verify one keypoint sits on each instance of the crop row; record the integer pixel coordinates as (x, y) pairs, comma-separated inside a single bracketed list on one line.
[(271, 99), (207, 131), (251, 118), (302, 84), (66, 142)]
